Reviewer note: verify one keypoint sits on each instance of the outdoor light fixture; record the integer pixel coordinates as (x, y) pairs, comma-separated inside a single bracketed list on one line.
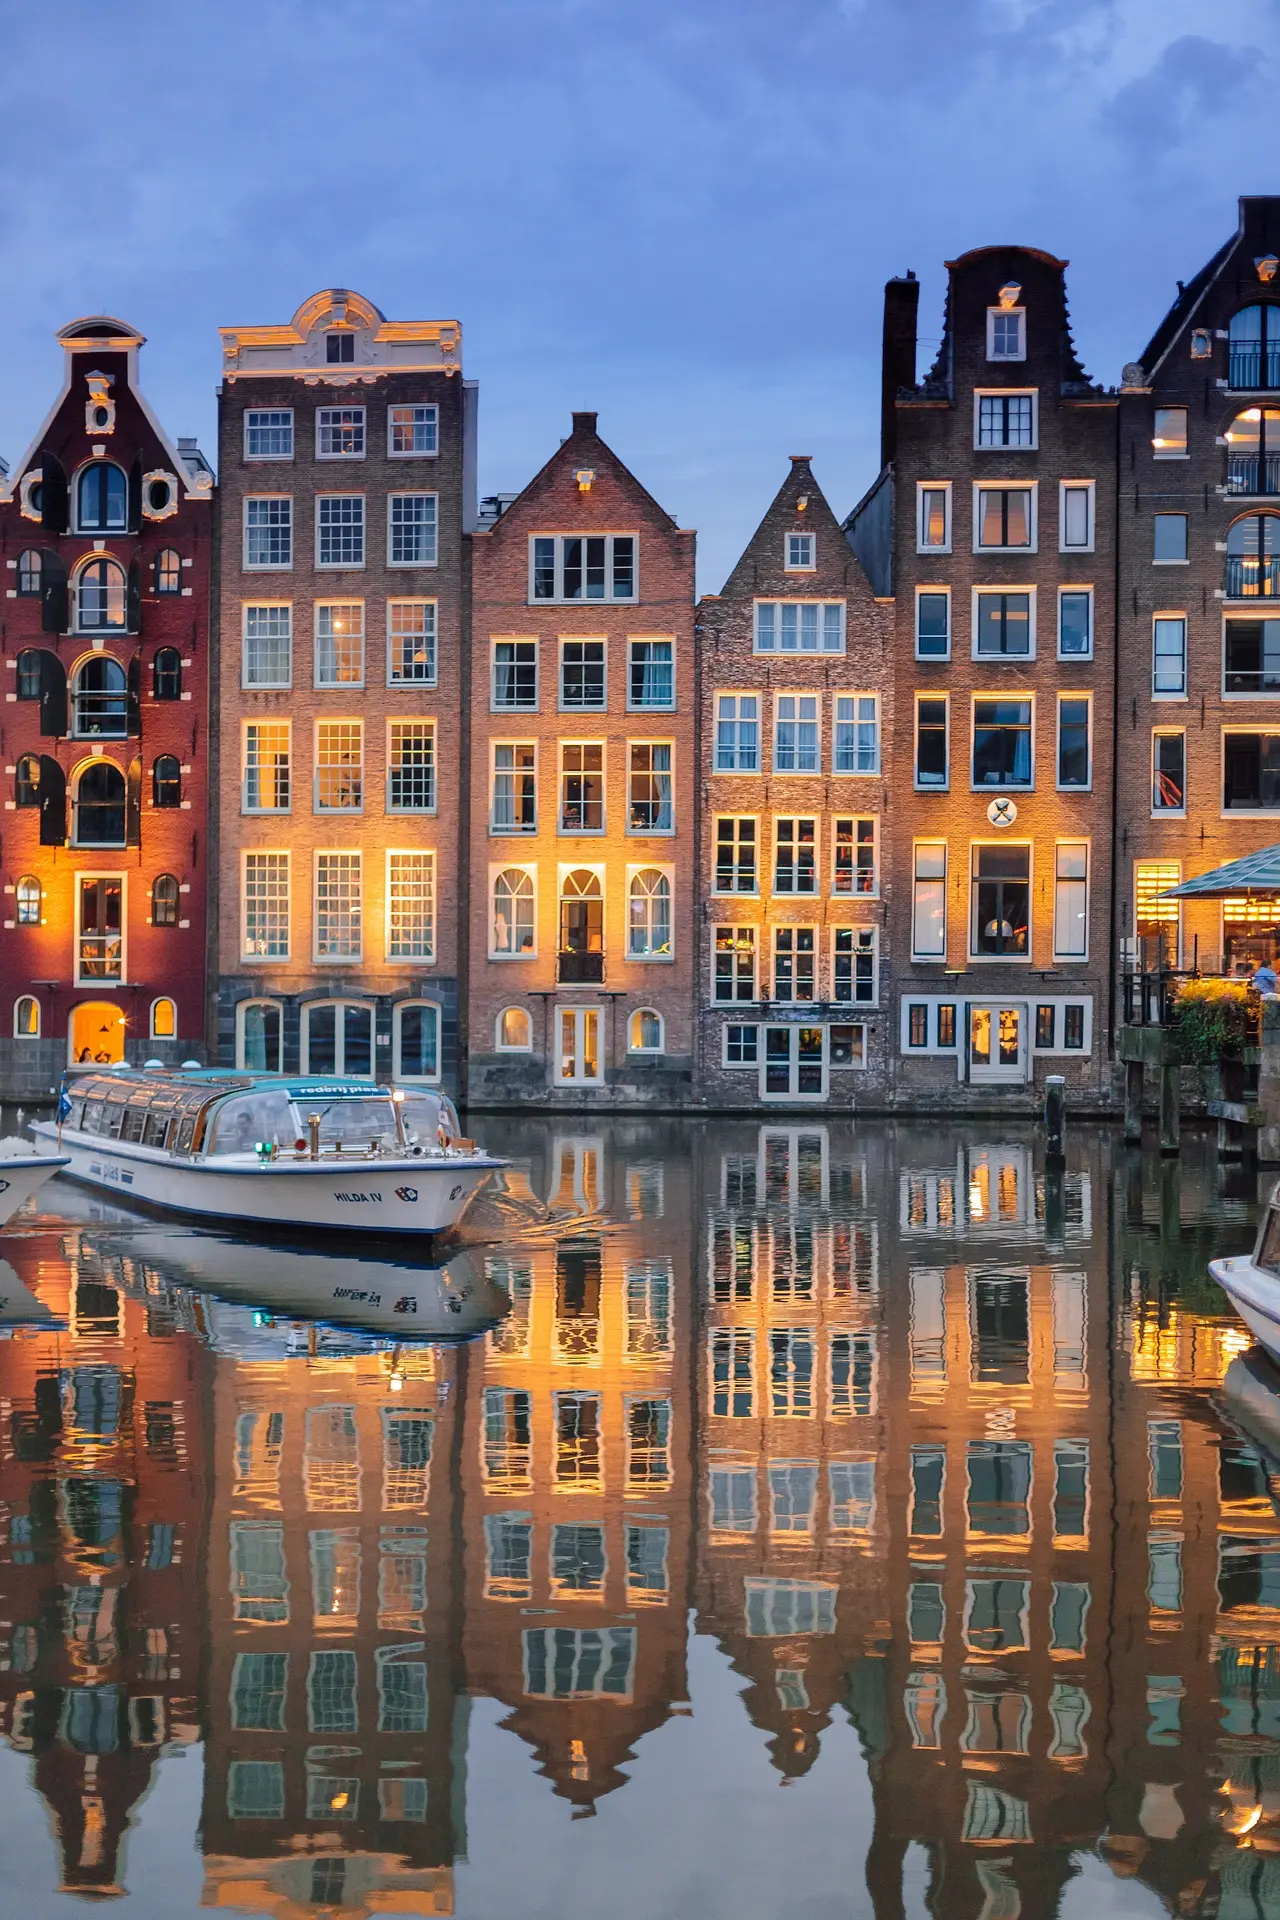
[(1009, 294), (584, 476), (1267, 268)]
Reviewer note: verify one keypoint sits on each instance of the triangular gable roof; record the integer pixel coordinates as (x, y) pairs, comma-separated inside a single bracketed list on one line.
[(584, 435), (799, 479), (1183, 309)]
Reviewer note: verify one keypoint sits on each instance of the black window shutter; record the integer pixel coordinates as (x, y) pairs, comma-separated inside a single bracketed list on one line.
[(53, 696), (135, 495), (53, 803), (133, 599), (55, 599), (53, 493), (135, 697), (133, 806)]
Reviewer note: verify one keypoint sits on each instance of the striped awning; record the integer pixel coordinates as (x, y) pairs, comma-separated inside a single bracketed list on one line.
[(1256, 873)]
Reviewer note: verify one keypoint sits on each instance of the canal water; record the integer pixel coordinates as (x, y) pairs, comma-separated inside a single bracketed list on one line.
[(782, 1522)]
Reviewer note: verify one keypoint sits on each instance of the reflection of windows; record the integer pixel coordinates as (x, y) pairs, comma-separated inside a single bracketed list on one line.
[(992, 1814), (1068, 1710), (406, 1459), (331, 1796), (926, 1613), (928, 1327), (732, 1373), (258, 1683), (1164, 1450), (648, 1442), (925, 1702), (402, 1578), (851, 1487), (1164, 1572), (997, 1722), (258, 1441), (577, 1439), (791, 1372), (778, 1607), (507, 1435), (928, 1477), (1068, 1613), (255, 1790), (1071, 1492), (731, 1494), (402, 1690), (335, 1576), (647, 1577), (579, 1663), (577, 1560), (995, 1614), (402, 1798), (1000, 1331), (793, 1496), (508, 1556), (331, 1460), (648, 1307), (999, 1493), (331, 1691), (853, 1374), (259, 1583)]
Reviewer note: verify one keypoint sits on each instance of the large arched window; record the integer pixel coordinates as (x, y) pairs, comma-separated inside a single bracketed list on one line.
[(168, 571), (101, 599), (100, 805), (164, 901), (100, 700), (581, 957), (166, 782), (166, 674), (513, 1032), (30, 899), (415, 1040), (512, 912), (259, 1026), (1253, 556), (26, 1018), (30, 573), (649, 923), (337, 1037), (102, 499), (644, 1031), (26, 784), (1253, 451), (1253, 354)]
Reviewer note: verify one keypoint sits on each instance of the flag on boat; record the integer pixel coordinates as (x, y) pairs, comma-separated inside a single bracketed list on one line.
[(64, 1101)]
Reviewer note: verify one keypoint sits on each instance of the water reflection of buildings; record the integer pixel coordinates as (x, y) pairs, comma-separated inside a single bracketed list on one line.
[(791, 1523), (103, 1530), (576, 1462), (330, 1760)]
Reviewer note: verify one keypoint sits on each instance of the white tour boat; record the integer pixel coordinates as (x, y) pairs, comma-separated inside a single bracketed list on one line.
[(22, 1171), (300, 1155), (1251, 1282)]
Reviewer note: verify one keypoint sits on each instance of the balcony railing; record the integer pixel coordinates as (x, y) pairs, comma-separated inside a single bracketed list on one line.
[(1246, 577), (580, 969), (101, 956), (1253, 680), (1149, 995), (1254, 367), (99, 715), (1254, 473)]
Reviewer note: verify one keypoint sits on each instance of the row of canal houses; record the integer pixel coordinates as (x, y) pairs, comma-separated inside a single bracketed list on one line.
[(332, 766)]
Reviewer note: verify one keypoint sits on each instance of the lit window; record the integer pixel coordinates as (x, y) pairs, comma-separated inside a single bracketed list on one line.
[(1001, 900), (644, 1034), (1004, 517), (581, 787), (413, 430), (266, 906), (1071, 901), (164, 1020), (1154, 917), (933, 526), (339, 644), (734, 963), (101, 597), (1169, 438), (1168, 772), (26, 1018), (266, 767), (514, 802), (168, 571), (514, 1031), (339, 776), (30, 901), (411, 642), (512, 927), (649, 922)]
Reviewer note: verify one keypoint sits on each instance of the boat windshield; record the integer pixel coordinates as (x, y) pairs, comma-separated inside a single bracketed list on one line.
[(420, 1116), (1269, 1252), (352, 1123), (238, 1125)]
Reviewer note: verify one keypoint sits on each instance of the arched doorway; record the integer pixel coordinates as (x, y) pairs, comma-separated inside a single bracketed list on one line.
[(96, 1034)]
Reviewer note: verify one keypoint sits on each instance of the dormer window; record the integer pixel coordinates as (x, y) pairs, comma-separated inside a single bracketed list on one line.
[(800, 553), (339, 349), (1007, 331)]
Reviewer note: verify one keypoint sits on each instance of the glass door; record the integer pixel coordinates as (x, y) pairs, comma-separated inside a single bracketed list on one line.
[(997, 1042), (578, 1061), (337, 1037), (794, 1063)]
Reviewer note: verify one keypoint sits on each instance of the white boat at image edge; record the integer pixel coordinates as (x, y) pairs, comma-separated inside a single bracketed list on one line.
[(1251, 1282), (301, 1155), (22, 1172)]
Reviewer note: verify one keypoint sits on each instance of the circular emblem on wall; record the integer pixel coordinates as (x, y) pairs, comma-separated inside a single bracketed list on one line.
[(1002, 813)]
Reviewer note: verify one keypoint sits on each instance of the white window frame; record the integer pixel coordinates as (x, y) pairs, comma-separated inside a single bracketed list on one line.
[(1004, 587), (161, 1000), (793, 927), (820, 652), (1169, 813), (934, 658), (578, 1012), (514, 833), (838, 814), (858, 928), (1031, 487), (337, 686), (245, 725), (1090, 491), (582, 833), (265, 959), (1180, 693), (1007, 393), (813, 814), (504, 1046), (1019, 694), (349, 957), (258, 458), (646, 1053), (342, 566), (573, 640), (800, 566), (341, 407), (530, 869), (646, 639), (938, 955), (923, 488), (1186, 539), (798, 693), (945, 698), (752, 893), (518, 640), (416, 493), (795, 1028), (1072, 840), (609, 535), (1075, 587), (431, 630), (430, 721), (95, 980), (263, 686), (335, 720), (265, 566), (645, 833), (668, 873), (1069, 693), (22, 1000), (853, 773), (413, 453), (737, 926), (398, 1073), (738, 694), (738, 1066), (242, 1008), (354, 999), (1006, 359)]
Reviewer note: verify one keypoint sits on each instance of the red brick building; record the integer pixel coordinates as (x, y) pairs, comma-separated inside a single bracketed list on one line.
[(583, 833), (105, 534)]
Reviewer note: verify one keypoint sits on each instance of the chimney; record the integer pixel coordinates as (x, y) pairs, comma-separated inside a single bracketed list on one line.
[(584, 422), (898, 356)]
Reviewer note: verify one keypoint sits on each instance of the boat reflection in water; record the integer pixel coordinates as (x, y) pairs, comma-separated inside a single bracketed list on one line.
[(950, 1467)]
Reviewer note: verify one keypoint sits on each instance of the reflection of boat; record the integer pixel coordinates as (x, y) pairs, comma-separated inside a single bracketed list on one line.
[(19, 1307), (22, 1171), (339, 1155), (1251, 1282), (1251, 1391), (392, 1299)]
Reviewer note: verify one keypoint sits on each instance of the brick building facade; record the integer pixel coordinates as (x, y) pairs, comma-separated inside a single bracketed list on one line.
[(795, 708), (1198, 743), (347, 482), (583, 830), (992, 525), (106, 533)]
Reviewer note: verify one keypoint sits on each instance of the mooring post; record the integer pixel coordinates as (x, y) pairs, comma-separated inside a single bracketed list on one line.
[(1170, 1106), (1055, 1117), (1134, 1080)]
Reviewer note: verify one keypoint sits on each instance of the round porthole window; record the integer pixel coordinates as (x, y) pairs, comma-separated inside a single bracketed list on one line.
[(159, 495), (101, 417), (30, 494)]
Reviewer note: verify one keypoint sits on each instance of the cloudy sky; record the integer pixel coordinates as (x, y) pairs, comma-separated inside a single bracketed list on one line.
[(678, 212)]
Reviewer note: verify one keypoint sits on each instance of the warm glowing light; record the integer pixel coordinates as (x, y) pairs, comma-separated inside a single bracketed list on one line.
[(1242, 1820), (338, 1801), (1009, 295)]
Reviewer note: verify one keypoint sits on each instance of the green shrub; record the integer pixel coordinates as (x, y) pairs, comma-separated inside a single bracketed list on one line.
[(1211, 1017)]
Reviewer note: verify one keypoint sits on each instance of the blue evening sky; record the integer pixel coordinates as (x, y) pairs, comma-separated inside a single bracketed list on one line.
[(678, 212)]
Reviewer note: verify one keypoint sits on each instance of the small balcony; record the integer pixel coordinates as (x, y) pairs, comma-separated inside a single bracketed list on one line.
[(1249, 577), (1253, 473), (1254, 367), (575, 969)]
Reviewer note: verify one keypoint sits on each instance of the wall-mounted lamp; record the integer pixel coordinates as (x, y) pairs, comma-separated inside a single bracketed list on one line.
[(1009, 295), (1267, 268), (584, 477)]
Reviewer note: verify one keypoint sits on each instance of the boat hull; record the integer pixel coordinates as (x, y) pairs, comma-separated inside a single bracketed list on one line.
[(392, 1196), (21, 1177), (1255, 1295)]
